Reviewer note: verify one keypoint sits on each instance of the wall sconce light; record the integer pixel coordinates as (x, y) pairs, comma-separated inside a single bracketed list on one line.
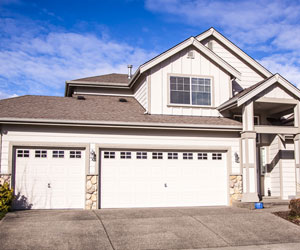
[(236, 157), (93, 155)]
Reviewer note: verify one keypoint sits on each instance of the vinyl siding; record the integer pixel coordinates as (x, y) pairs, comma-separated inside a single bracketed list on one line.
[(249, 75), (180, 65), (288, 171), (141, 93), (127, 137), (275, 172)]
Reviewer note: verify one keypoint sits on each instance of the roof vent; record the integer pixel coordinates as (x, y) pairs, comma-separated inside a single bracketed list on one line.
[(190, 54), (80, 97), (122, 100)]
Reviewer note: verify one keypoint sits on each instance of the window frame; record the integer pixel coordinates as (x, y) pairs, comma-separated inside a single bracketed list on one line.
[(212, 104)]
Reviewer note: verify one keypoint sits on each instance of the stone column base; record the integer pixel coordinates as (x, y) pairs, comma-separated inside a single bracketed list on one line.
[(250, 197), (5, 178), (91, 197)]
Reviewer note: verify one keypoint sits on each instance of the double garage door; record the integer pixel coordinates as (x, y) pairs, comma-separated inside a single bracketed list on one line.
[(49, 178), (54, 178), (163, 179)]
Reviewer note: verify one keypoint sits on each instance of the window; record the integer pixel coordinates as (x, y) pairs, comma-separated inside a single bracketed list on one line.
[(188, 156), (157, 155), (240, 118), (109, 155), (23, 153), (40, 154), (202, 156), (75, 154), (190, 90), (58, 154), (141, 155), (125, 155), (217, 156), (172, 156)]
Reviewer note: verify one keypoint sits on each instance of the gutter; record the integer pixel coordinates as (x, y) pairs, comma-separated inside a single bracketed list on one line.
[(140, 125)]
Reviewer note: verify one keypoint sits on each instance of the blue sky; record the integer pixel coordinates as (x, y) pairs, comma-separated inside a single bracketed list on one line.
[(44, 43)]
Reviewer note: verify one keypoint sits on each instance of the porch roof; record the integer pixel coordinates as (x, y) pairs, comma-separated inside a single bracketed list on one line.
[(257, 88)]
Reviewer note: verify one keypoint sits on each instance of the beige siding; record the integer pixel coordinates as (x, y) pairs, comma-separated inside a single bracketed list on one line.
[(288, 170), (93, 136), (179, 64), (275, 166), (249, 75), (101, 91), (276, 91), (141, 93)]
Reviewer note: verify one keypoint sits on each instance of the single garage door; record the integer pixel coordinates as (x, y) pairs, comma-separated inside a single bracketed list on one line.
[(49, 178), (163, 179)]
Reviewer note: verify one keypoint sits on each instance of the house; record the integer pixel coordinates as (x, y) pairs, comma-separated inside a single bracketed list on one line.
[(201, 124)]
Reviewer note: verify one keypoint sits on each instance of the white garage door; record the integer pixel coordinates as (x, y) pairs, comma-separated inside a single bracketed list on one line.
[(49, 178), (163, 179)]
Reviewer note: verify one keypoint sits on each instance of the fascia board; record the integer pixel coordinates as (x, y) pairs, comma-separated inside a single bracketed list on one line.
[(115, 124), (217, 59), (235, 49), (166, 55)]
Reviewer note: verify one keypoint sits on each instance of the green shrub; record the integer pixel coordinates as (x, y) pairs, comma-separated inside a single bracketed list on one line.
[(294, 206), (6, 198)]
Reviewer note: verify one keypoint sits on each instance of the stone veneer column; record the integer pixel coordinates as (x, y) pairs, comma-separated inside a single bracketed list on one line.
[(236, 188), (91, 197), (249, 155)]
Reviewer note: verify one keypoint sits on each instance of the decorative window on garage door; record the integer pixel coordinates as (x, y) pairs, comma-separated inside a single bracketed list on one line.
[(202, 156), (75, 154), (217, 156), (23, 153), (58, 154), (172, 156), (187, 156), (109, 155), (125, 155), (157, 155), (141, 155), (40, 153)]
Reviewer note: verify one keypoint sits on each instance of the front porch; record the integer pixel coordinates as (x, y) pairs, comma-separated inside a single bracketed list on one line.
[(270, 139)]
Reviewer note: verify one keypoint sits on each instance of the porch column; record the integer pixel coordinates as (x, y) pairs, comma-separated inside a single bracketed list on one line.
[(249, 155), (297, 145)]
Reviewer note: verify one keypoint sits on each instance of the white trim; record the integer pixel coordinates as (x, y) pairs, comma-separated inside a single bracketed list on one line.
[(235, 49), (199, 46), (275, 79)]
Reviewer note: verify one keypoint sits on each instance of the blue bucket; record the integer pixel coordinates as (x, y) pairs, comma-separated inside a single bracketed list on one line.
[(259, 205)]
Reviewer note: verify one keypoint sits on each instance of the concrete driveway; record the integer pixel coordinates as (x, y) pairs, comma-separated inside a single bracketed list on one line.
[(148, 228)]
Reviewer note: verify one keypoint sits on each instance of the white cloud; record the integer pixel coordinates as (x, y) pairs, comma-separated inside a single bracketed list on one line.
[(37, 60), (271, 28), (4, 95)]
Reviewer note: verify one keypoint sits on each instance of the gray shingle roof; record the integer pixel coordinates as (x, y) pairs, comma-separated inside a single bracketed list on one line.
[(109, 78), (95, 108)]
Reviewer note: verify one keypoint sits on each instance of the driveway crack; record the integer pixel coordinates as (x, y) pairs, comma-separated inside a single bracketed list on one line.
[(101, 222), (210, 230)]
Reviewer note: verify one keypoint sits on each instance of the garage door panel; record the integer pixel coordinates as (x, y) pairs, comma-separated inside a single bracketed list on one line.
[(179, 179), (49, 182)]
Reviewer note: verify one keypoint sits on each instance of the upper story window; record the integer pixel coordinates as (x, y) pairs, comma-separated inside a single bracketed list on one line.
[(190, 91)]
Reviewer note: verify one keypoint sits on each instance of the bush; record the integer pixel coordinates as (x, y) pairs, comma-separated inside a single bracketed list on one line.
[(6, 198), (295, 207)]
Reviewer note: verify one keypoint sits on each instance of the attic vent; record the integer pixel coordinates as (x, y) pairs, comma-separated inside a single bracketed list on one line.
[(122, 100), (210, 45), (80, 97), (190, 54)]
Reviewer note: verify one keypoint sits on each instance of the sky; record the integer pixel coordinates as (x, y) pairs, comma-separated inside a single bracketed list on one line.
[(44, 43)]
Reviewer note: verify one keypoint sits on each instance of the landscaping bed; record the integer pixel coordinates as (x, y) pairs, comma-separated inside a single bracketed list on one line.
[(286, 215)]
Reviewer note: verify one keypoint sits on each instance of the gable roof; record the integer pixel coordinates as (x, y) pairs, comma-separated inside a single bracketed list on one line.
[(96, 111), (217, 35), (192, 41), (257, 88)]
